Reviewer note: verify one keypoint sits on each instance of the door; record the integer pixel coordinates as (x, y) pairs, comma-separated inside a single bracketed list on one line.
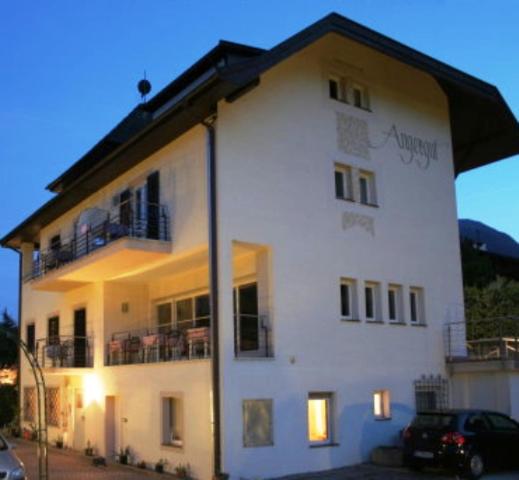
[(79, 421), (110, 427), (505, 439), (80, 340), (246, 317), (153, 199)]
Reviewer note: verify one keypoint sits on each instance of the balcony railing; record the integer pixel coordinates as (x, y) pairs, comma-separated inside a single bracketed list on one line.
[(158, 344), (65, 351), (149, 222), (483, 340)]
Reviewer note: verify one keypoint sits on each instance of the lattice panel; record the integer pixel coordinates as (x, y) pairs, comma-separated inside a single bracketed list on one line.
[(29, 404), (431, 393), (53, 405)]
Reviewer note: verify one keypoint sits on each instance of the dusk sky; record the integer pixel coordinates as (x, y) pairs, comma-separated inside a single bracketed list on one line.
[(70, 69)]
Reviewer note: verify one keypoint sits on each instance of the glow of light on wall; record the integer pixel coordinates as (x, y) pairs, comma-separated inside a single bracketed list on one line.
[(92, 390), (317, 419)]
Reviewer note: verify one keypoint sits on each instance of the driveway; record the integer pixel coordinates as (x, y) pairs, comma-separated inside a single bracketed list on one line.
[(69, 465)]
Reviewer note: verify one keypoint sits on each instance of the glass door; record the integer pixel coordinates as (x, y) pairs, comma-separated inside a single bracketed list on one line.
[(246, 318)]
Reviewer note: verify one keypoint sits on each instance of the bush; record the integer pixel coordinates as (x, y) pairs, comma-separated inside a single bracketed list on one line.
[(8, 404)]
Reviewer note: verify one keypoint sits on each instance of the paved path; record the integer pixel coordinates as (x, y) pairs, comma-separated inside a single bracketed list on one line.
[(68, 465)]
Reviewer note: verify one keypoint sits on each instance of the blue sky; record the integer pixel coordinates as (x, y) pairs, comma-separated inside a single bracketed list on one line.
[(69, 70)]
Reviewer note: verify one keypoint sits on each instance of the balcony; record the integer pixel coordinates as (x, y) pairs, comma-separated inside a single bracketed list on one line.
[(104, 245), (490, 343), (64, 352)]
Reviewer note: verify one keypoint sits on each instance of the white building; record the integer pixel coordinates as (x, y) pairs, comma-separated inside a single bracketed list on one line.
[(310, 189)]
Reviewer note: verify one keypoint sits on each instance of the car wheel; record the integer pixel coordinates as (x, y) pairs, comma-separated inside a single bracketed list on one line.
[(475, 466)]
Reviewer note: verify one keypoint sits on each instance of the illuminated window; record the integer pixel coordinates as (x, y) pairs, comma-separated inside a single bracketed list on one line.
[(319, 418), (382, 404)]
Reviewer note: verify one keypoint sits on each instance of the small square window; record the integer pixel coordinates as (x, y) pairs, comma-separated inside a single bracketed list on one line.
[(320, 413), (359, 96), (348, 292), (372, 301), (382, 405), (343, 183), (172, 421), (416, 306), (367, 194), (257, 423), (394, 303)]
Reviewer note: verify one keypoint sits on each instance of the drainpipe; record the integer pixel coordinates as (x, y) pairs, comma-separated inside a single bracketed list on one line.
[(19, 376), (213, 288)]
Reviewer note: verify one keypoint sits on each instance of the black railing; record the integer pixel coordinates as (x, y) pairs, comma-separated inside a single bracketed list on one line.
[(252, 336), (151, 223), (158, 344), (487, 339), (65, 351)]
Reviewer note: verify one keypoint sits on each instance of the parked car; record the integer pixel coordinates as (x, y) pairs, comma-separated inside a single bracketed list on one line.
[(11, 467), (467, 441)]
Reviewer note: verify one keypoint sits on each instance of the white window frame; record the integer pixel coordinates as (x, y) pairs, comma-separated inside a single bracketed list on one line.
[(375, 288), (371, 195), (364, 95), (382, 404), (346, 172), (419, 310), (351, 285), (328, 398), (398, 298), (166, 397)]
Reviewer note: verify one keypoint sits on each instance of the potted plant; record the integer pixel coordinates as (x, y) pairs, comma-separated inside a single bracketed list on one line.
[(124, 456), (59, 441), (159, 466), (89, 450), (142, 464), (182, 471), (34, 432)]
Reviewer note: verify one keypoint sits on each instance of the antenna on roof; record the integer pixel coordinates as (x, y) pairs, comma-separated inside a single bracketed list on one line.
[(144, 87)]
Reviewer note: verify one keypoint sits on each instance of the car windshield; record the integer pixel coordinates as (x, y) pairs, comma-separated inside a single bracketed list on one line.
[(3, 444), (434, 420)]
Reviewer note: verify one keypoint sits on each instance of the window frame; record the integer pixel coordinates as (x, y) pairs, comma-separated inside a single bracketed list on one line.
[(371, 195), (167, 397), (383, 398), (376, 310), (416, 307), (328, 398), (351, 285), (346, 172), (398, 300)]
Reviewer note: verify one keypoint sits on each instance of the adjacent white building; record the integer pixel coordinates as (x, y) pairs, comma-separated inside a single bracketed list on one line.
[(310, 189)]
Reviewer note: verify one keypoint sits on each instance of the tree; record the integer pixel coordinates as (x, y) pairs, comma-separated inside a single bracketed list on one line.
[(498, 299), (8, 404), (8, 348)]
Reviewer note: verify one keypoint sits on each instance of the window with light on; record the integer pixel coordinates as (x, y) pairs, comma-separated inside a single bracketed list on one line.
[(319, 418)]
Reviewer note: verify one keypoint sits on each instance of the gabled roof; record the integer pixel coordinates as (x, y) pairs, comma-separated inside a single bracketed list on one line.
[(484, 129)]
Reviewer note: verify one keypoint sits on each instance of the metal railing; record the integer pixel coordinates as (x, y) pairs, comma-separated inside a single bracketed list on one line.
[(158, 344), (252, 336), (151, 222), (65, 351), (487, 339)]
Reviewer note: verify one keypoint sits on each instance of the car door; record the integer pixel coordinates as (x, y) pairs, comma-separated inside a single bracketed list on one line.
[(505, 432), (482, 438)]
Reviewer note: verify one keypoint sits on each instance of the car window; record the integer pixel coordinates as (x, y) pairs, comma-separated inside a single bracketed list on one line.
[(476, 423), (433, 420), (500, 422)]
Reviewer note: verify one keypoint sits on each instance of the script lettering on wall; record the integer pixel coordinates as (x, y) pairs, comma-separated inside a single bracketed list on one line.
[(353, 135), (350, 220)]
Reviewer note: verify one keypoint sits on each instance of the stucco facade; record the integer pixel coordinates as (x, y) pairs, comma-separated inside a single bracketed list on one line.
[(310, 254)]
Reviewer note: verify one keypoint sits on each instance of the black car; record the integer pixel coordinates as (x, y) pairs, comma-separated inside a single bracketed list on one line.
[(466, 441)]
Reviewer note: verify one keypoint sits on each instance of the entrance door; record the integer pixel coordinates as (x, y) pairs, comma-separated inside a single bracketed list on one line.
[(110, 427), (80, 341), (246, 317), (78, 442)]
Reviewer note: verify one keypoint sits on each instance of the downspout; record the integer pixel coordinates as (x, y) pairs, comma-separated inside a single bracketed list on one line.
[(212, 214), (19, 375)]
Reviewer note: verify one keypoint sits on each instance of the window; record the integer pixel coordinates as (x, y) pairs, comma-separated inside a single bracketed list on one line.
[(257, 423), (416, 308), (53, 330), (502, 423), (367, 188), (347, 91), (431, 393), (53, 406), (172, 421), (348, 292), (371, 299), (359, 96), (343, 185), (29, 404), (334, 88), (319, 418), (55, 242), (382, 405), (394, 302), (30, 337)]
